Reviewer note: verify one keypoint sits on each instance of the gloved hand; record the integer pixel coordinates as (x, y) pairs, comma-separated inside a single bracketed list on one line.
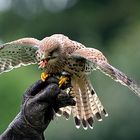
[(41, 101)]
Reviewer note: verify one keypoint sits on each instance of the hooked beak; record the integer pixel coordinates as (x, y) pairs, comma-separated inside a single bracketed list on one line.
[(43, 63)]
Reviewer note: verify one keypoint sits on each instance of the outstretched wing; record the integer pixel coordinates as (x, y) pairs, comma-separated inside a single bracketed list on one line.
[(98, 60), (17, 53)]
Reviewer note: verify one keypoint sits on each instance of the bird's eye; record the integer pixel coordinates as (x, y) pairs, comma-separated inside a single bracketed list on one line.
[(53, 54)]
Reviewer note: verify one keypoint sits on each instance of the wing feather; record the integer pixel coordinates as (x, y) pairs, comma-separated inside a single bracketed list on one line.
[(96, 59), (18, 53)]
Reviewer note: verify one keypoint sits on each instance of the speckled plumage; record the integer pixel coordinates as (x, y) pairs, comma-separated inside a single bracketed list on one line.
[(59, 53)]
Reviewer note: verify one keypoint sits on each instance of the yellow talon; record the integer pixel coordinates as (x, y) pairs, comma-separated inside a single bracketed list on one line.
[(44, 75), (63, 80)]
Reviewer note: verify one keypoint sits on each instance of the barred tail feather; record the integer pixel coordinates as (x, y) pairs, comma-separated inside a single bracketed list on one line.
[(91, 103), (88, 105), (87, 110), (66, 112), (96, 105), (120, 77), (78, 109)]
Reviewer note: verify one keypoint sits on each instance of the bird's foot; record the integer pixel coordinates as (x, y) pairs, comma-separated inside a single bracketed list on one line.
[(44, 75), (63, 80)]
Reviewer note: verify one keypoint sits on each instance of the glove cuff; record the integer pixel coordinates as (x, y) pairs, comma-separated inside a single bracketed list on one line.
[(21, 127)]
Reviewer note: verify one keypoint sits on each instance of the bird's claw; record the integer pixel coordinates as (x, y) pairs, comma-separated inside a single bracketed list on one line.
[(44, 75), (63, 80)]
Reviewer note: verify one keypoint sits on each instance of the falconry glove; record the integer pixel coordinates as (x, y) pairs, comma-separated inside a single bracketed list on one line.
[(40, 102)]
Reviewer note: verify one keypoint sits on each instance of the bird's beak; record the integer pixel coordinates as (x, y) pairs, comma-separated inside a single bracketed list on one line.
[(43, 63)]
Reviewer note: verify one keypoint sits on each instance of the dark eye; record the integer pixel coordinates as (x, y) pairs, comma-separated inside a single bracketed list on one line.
[(54, 53), (51, 53)]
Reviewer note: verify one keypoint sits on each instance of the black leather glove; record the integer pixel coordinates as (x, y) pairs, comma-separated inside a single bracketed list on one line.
[(41, 101)]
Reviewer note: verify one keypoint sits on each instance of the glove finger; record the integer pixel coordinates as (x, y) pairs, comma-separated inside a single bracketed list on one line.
[(35, 88), (65, 100), (39, 85), (48, 94)]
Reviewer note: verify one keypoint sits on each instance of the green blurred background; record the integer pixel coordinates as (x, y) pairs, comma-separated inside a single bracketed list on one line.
[(112, 26)]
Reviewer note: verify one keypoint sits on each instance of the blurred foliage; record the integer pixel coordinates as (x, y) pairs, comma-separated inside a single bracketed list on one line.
[(112, 26)]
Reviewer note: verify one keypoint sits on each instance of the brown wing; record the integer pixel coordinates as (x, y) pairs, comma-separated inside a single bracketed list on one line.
[(98, 60), (17, 53)]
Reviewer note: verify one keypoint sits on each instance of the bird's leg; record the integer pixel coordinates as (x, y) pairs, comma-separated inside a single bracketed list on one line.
[(44, 75)]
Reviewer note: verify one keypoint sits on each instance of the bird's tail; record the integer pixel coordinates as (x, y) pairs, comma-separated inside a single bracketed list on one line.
[(88, 106), (120, 77)]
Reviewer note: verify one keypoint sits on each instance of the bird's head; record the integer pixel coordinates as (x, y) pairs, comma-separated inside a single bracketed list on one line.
[(50, 52)]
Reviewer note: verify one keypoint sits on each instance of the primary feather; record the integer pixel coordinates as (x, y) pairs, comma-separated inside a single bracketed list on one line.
[(18, 53), (96, 59)]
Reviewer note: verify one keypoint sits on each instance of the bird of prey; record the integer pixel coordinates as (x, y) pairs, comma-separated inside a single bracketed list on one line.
[(58, 53)]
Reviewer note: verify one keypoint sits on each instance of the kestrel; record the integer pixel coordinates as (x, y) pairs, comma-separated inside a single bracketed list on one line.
[(58, 53)]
